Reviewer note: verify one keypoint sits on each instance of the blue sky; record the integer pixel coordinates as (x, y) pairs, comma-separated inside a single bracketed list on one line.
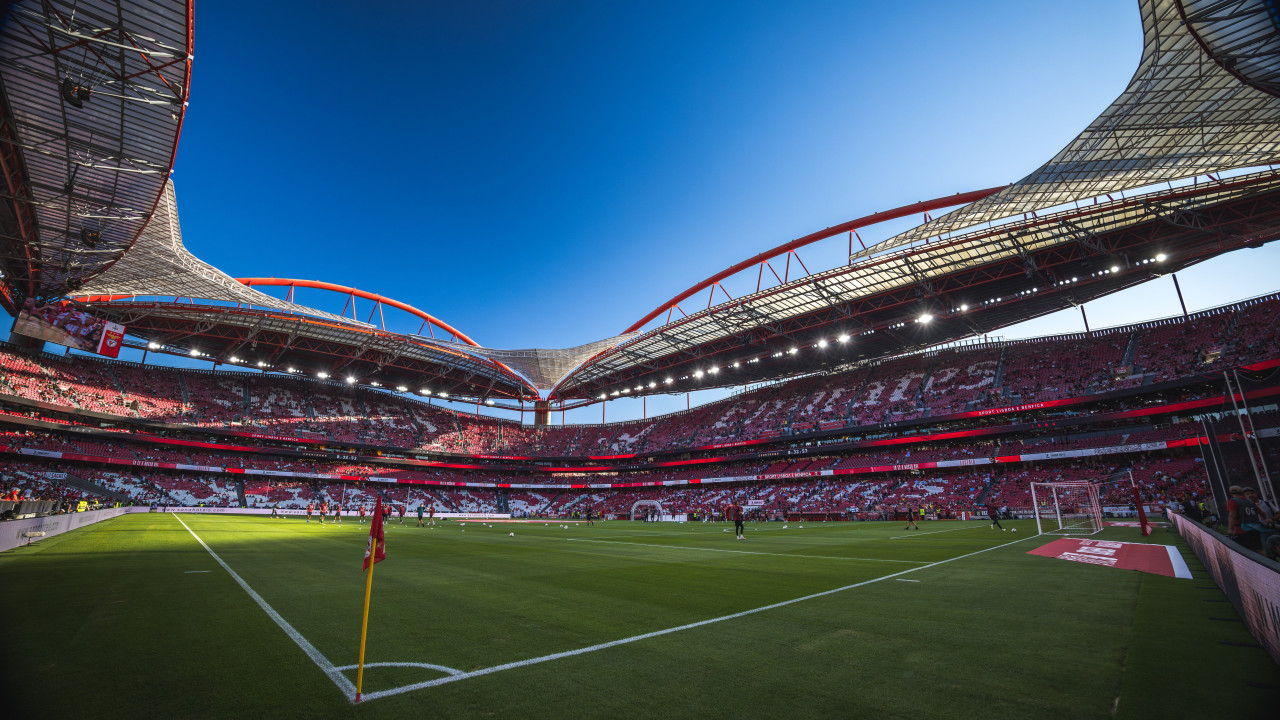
[(542, 174)]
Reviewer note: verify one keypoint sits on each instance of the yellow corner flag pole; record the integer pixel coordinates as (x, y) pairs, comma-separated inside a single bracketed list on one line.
[(364, 629)]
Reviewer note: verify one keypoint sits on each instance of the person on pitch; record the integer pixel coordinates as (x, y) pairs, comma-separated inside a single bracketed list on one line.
[(431, 515), (310, 509), (911, 518), (402, 507), (993, 512), (421, 510), (590, 521), (337, 513), (275, 512), (734, 513), (362, 514), (324, 510)]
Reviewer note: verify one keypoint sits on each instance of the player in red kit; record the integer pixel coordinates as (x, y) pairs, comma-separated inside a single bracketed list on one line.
[(734, 513)]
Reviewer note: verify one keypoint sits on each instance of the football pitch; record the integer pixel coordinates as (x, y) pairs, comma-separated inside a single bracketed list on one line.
[(164, 615)]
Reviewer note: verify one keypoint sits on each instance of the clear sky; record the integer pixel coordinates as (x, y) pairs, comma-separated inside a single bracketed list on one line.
[(542, 174)]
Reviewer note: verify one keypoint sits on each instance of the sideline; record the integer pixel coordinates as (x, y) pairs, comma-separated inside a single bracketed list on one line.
[(335, 674)]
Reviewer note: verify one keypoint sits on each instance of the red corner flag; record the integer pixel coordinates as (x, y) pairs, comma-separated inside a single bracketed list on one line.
[(377, 549), (377, 539)]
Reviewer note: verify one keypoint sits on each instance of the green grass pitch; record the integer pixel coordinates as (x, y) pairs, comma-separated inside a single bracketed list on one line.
[(132, 617)]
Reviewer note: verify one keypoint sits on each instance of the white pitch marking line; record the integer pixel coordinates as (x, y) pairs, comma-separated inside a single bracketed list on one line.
[(906, 580), (744, 552), (659, 633), (441, 668), (346, 686), (934, 532), (197, 571)]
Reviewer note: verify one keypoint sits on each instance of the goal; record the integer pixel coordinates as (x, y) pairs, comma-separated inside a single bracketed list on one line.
[(1066, 508)]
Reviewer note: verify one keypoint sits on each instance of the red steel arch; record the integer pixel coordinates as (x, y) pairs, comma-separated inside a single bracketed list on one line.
[(875, 218), (352, 292)]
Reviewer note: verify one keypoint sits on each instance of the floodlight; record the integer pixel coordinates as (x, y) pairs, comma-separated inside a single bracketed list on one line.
[(1161, 257), (402, 388), (153, 346), (195, 353), (234, 359), (925, 319), (351, 380), (488, 402), (843, 338), (822, 343), (261, 364), (698, 373), (442, 394), (714, 370), (322, 375)]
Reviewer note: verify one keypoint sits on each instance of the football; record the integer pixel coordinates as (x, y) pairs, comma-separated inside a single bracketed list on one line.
[(1013, 529)]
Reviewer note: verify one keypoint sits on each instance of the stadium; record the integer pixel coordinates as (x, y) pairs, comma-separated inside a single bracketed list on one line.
[(879, 504)]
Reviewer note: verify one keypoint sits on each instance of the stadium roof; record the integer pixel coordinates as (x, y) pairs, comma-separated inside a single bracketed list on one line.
[(1202, 103), (93, 94)]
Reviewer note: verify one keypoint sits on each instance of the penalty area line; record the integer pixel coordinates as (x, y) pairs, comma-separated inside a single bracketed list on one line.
[(658, 633), (335, 674)]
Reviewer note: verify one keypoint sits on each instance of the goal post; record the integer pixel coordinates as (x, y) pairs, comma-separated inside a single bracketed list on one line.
[(1075, 508), (1066, 508)]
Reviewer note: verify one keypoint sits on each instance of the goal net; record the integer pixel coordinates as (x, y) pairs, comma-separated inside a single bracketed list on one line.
[(1066, 508)]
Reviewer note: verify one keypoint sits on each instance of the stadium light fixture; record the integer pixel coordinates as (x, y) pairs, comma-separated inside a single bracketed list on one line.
[(698, 374), (925, 319), (291, 370), (626, 390), (822, 343), (714, 370), (233, 359), (670, 380), (964, 308), (652, 384), (1161, 257), (615, 393), (843, 338), (735, 364), (488, 402), (793, 351), (351, 380), (1115, 268), (604, 396), (442, 394), (261, 364), (375, 383), (322, 375), (195, 353), (402, 388), (153, 346)]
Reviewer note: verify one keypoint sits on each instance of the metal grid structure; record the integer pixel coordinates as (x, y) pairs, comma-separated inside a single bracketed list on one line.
[(545, 368), (934, 293), (94, 92), (1183, 114), (159, 265)]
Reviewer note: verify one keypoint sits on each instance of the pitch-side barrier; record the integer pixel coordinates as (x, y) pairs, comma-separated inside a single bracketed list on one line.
[(1251, 582)]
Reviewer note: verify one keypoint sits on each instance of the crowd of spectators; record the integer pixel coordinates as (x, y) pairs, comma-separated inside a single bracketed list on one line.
[(926, 385)]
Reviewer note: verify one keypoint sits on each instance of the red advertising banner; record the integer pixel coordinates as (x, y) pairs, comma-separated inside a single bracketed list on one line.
[(63, 324)]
